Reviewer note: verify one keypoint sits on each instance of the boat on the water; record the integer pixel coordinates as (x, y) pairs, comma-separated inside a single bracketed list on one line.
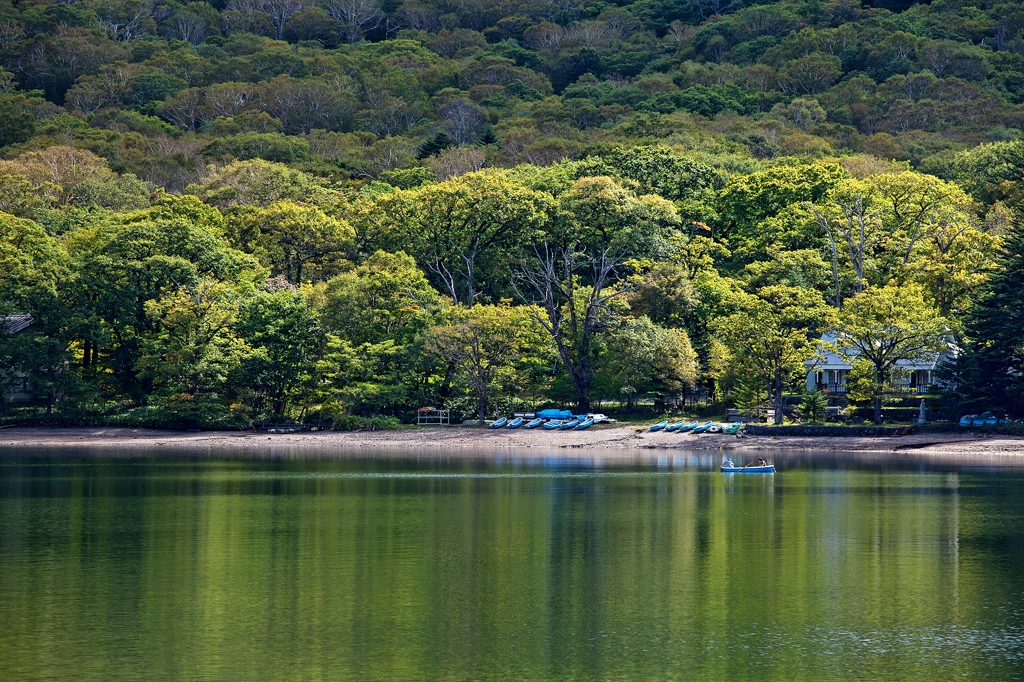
[(729, 468), (676, 426), (534, 424), (703, 427), (659, 427), (572, 423), (553, 424), (515, 423), (497, 424), (585, 424), (770, 469)]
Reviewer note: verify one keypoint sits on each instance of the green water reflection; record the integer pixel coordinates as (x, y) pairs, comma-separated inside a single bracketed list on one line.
[(305, 569)]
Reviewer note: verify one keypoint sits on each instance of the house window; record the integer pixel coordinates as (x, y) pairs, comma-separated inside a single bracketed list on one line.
[(18, 385)]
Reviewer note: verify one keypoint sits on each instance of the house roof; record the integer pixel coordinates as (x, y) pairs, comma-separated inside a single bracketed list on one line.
[(832, 360), (13, 324)]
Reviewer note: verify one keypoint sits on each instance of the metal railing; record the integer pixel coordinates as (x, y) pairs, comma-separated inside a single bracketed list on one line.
[(840, 389)]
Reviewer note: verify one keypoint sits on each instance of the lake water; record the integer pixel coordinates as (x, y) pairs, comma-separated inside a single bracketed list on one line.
[(294, 567)]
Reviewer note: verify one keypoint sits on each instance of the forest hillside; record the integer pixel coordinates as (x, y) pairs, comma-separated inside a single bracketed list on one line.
[(342, 210)]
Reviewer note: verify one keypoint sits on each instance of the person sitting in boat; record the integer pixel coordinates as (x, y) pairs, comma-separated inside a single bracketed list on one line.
[(761, 462), (728, 464)]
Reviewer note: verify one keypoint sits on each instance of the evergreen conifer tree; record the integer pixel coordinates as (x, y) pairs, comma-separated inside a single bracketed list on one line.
[(438, 143), (488, 137), (990, 369)]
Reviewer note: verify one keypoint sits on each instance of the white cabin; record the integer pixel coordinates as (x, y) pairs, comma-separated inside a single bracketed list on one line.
[(829, 373)]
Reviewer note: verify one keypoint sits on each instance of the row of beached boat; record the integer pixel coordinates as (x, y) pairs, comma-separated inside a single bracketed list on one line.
[(576, 423), (983, 419), (698, 427)]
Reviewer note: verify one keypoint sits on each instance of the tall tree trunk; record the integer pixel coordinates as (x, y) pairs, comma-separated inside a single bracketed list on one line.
[(86, 354), (879, 379), (581, 383), (778, 401)]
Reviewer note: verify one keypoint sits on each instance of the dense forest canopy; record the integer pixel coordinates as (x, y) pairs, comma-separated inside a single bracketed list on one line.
[(354, 88), (279, 208)]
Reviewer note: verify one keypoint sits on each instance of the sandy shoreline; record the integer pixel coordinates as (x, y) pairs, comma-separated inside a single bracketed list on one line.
[(453, 438)]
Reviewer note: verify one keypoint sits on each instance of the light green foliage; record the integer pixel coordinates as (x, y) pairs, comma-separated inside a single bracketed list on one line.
[(22, 198), (814, 406), (687, 291), (194, 348), (119, 268), (485, 344), (748, 200), (884, 326), (299, 241), (992, 172), (58, 172), (749, 391), (863, 385), (645, 358), (379, 313), (286, 343), (117, 193), (574, 311), (658, 170), (31, 262), (773, 332), (388, 297), (255, 182), (461, 231), (673, 169), (602, 213), (33, 267)]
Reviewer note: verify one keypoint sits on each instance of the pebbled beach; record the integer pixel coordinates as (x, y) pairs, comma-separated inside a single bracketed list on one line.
[(475, 438)]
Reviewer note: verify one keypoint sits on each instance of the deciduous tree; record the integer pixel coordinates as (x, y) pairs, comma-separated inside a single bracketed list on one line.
[(887, 325), (773, 332)]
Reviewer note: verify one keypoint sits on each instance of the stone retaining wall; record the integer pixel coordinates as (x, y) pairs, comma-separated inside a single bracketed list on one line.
[(834, 431)]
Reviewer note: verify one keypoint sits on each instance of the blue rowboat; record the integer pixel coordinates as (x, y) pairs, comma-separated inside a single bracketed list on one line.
[(553, 424), (584, 424), (676, 426), (572, 423), (689, 427), (499, 423), (534, 424), (770, 469), (515, 423), (703, 427), (659, 427)]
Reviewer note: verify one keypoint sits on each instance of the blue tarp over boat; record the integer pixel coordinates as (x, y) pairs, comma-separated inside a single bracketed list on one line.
[(555, 414)]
